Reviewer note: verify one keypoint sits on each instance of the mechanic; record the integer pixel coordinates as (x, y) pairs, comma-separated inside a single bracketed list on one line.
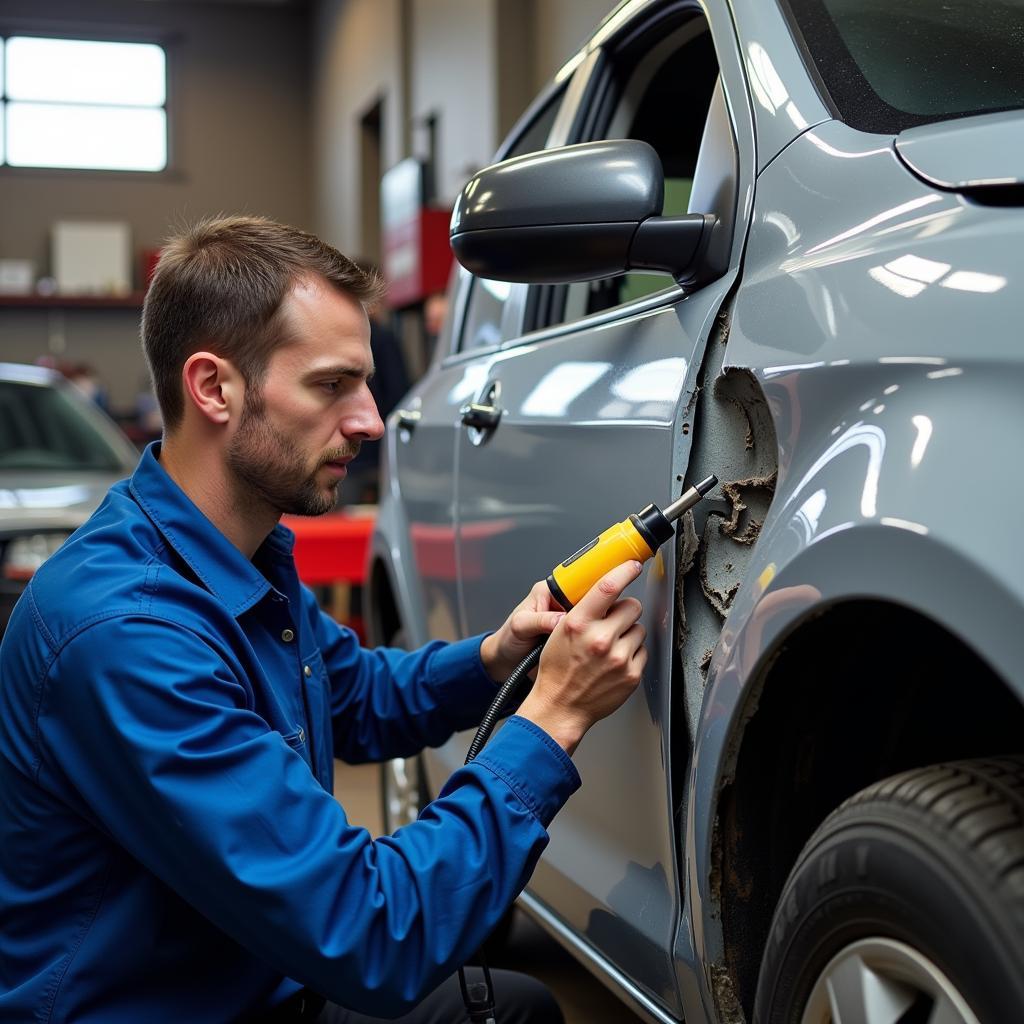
[(171, 699)]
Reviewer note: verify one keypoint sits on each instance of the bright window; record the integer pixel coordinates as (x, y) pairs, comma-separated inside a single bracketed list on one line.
[(83, 104)]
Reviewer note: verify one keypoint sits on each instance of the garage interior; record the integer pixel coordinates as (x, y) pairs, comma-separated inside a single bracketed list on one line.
[(753, 262), (292, 109)]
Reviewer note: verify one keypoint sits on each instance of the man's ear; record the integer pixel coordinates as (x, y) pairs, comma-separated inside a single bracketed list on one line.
[(213, 387)]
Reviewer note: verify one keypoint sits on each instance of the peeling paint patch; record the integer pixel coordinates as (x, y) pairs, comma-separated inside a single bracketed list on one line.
[(748, 502), (748, 440), (723, 324), (757, 491), (719, 599), (715, 875), (687, 556), (729, 1009), (733, 436)]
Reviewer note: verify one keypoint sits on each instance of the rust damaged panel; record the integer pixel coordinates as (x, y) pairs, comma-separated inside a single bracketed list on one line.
[(688, 547), (741, 496), (720, 574), (729, 1009), (734, 438)]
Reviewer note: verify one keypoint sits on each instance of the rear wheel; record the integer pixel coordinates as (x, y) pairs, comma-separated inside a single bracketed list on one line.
[(906, 906), (403, 792)]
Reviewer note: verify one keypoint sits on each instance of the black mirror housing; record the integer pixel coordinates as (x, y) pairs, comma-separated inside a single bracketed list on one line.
[(577, 213)]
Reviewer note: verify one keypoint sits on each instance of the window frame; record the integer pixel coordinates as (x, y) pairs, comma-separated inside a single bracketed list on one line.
[(554, 97), (607, 90), (107, 34), (589, 95)]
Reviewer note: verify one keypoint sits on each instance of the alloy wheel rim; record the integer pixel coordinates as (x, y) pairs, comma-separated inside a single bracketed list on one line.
[(880, 981), (401, 791)]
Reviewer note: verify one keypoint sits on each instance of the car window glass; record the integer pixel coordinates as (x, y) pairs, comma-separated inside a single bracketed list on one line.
[(663, 99), (482, 323), (42, 428), (892, 64)]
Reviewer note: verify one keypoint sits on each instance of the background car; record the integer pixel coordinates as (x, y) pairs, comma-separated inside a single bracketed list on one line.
[(58, 456), (813, 808)]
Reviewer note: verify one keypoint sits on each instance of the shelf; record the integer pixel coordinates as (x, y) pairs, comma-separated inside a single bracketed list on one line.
[(131, 301)]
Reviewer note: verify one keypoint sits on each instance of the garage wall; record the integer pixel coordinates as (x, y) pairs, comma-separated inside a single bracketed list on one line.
[(454, 47), (241, 135), (563, 28), (356, 57), (415, 58), (475, 64), (266, 103)]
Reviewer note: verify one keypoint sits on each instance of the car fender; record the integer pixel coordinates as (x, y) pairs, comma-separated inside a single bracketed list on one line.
[(893, 509)]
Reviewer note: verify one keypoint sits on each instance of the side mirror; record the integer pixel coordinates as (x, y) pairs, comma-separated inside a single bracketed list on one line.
[(578, 213)]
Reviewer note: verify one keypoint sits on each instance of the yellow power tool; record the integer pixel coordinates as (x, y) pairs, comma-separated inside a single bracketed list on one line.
[(637, 537)]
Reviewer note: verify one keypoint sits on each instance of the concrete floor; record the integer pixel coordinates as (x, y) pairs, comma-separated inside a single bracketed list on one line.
[(583, 999)]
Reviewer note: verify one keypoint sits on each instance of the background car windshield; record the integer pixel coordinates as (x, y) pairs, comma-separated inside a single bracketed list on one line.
[(893, 64), (45, 428)]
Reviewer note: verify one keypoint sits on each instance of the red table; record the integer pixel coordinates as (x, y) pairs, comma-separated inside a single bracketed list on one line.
[(331, 551)]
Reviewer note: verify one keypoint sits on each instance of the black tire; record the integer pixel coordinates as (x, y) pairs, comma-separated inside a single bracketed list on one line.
[(917, 881), (403, 792)]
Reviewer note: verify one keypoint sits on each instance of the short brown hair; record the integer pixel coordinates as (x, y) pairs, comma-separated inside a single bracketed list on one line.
[(219, 286)]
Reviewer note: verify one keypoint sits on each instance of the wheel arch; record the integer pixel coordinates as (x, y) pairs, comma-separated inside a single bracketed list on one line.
[(802, 717), (383, 620), (803, 747), (392, 594)]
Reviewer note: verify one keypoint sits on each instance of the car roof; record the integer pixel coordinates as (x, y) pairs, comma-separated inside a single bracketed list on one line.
[(29, 374)]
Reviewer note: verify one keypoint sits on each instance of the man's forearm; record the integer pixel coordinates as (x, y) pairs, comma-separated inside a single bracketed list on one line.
[(497, 667)]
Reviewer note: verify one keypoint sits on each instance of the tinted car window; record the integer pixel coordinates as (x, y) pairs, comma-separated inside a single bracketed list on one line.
[(45, 428), (483, 314), (486, 304), (663, 99), (892, 64)]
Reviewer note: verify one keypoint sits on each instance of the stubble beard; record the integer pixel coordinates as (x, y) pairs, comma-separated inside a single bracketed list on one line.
[(272, 466)]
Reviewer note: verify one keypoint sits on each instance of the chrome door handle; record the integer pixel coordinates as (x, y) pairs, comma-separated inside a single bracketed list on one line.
[(408, 419), (483, 417)]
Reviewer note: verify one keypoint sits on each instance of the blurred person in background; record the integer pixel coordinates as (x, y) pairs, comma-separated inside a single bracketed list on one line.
[(435, 309), (389, 383), (88, 382)]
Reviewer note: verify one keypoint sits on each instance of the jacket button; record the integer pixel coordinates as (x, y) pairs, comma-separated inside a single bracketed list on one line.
[(287, 635), (307, 671)]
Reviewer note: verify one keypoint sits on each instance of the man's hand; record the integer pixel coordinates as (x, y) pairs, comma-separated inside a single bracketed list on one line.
[(531, 620), (592, 663)]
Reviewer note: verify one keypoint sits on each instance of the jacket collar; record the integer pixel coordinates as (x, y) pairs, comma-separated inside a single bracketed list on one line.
[(219, 565)]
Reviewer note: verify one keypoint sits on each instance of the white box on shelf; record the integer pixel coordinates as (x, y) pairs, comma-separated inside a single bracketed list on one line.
[(92, 257), (17, 277)]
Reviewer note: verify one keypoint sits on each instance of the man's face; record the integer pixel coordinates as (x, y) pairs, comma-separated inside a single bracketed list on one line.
[(305, 423)]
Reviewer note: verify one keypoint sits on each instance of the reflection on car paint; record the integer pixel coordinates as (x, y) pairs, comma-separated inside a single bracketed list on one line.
[(44, 497), (560, 386)]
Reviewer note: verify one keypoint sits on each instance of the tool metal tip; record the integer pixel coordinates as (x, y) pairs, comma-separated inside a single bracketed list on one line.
[(689, 498)]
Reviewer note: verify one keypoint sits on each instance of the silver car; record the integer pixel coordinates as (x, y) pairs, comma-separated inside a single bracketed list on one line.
[(58, 456), (780, 243)]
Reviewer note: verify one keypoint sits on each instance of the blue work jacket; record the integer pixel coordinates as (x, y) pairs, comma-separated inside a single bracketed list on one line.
[(169, 846)]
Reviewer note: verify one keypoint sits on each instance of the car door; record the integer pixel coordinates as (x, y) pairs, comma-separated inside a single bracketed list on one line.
[(427, 424), (588, 424)]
